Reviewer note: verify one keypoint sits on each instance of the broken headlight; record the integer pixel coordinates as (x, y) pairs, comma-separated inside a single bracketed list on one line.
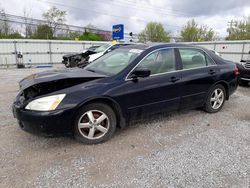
[(45, 103)]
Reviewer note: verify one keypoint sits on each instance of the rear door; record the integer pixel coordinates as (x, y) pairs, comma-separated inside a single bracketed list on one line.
[(199, 73)]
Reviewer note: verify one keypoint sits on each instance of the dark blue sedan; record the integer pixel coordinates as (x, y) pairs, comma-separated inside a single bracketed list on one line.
[(127, 83)]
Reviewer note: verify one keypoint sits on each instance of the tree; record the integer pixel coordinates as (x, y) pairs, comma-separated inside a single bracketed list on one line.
[(191, 32), (239, 30), (154, 32), (5, 27), (55, 18), (43, 32), (27, 23)]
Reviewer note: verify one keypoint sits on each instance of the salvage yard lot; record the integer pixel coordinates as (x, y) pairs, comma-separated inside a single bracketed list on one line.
[(185, 149)]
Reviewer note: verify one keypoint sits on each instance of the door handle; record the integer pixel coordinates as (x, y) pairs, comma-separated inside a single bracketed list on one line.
[(174, 79), (212, 71)]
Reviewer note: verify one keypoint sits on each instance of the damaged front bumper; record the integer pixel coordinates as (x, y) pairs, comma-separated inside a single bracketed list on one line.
[(54, 123)]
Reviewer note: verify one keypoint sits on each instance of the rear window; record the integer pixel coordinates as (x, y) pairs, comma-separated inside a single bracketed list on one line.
[(194, 58)]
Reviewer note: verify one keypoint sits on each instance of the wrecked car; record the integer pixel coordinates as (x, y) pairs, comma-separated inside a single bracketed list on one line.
[(72, 60), (82, 59), (130, 82)]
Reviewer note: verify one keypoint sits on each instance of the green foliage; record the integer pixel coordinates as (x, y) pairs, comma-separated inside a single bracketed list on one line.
[(43, 32), (91, 37), (240, 30), (154, 32), (85, 36), (14, 35), (70, 36), (191, 32)]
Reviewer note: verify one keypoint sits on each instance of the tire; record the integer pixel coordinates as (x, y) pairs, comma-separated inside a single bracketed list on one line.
[(243, 83), (215, 103), (89, 130)]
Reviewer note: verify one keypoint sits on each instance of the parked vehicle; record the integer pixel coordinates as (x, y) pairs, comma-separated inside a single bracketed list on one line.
[(72, 60), (130, 82), (244, 69), (92, 48), (82, 59)]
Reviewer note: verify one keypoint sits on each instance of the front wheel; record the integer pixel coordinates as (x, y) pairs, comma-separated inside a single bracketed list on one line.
[(95, 123), (216, 99)]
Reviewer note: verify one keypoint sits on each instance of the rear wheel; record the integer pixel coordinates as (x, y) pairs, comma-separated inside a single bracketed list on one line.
[(95, 123), (216, 99)]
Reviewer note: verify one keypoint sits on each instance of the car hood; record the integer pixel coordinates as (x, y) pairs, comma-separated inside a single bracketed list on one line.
[(57, 75), (71, 55), (85, 53)]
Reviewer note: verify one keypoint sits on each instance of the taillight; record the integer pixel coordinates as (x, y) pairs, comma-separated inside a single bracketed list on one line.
[(236, 71)]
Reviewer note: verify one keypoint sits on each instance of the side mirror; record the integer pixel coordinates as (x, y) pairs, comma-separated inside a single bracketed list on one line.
[(140, 73)]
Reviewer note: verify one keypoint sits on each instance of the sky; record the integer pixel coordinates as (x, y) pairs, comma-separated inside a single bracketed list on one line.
[(135, 14)]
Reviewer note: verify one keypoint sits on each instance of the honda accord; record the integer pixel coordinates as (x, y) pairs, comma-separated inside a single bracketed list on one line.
[(130, 82)]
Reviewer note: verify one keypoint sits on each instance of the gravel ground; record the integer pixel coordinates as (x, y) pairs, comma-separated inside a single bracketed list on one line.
[(179, 149)]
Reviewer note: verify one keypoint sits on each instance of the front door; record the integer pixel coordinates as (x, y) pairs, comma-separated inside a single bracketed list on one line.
[(158, 92)]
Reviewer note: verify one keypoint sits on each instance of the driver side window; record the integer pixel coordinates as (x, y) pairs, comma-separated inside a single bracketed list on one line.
[(160, 61)]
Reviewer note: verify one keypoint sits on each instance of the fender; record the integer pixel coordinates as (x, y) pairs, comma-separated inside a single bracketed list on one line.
[(121, 113)]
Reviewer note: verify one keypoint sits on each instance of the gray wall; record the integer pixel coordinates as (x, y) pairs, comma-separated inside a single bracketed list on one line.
[(39, 51), (230, 50), (51, 51)]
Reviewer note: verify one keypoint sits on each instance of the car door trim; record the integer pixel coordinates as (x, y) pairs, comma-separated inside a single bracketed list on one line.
[(152, 103)]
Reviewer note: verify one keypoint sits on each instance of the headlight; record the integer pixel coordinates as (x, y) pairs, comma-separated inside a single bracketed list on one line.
[(45, 103)]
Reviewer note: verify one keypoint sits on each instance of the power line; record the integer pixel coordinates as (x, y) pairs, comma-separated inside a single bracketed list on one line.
[(64, 27), (162, 11), (101, 13), (36, 22)]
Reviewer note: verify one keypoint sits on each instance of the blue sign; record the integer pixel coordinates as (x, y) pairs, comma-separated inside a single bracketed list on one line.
[(118, 32)]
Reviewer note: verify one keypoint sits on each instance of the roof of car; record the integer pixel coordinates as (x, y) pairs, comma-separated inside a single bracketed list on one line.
[(158, 45), (137, 46)]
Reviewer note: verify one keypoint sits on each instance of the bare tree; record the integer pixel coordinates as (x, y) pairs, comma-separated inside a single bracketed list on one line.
[(5, 27), (27, 23), (55, 19)]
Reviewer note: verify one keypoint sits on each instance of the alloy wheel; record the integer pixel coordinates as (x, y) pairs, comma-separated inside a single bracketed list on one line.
[(217, 98), (93, 124)]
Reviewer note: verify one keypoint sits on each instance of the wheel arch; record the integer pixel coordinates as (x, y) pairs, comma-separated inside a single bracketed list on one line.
[(111, 103), (225, 85)]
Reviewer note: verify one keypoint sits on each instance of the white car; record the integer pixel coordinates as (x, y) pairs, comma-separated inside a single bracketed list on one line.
[(106, 48), (88, 56)]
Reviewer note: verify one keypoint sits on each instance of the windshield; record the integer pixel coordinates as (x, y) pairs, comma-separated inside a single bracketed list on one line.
[(102, 48), (114, 62)]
